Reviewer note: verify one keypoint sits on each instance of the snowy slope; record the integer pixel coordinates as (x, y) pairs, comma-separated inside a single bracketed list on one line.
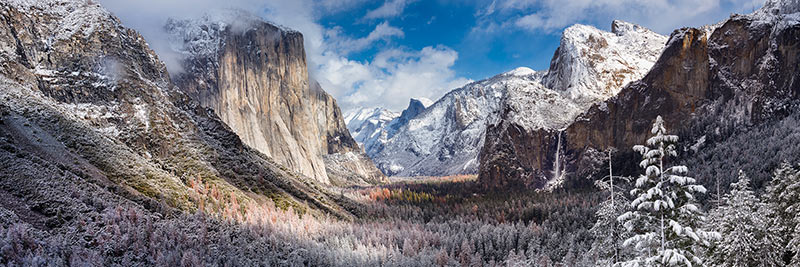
[(590, 65), (204, 36), (778, 7), (75, 16), (425, 102), (369, 126), (446, 137), (93, 111), (373, 127), (728, 77)]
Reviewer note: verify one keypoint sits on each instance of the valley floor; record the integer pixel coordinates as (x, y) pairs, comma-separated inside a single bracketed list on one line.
[(432, 221)]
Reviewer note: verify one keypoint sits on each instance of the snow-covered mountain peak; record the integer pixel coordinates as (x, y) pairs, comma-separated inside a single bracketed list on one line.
[(591, 64), (620, 28), (780, 7), (445, 138), (784, 12), (521, 71), (70, 17), (237, 19), (358, 115), (425, 102), (415, 107), (355, 118), (201, 36), (371, 127)]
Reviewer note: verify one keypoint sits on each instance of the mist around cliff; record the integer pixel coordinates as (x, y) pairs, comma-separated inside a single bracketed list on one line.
[(685, 154)]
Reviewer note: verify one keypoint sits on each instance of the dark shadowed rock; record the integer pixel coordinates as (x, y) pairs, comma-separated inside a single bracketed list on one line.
[(743, 71)]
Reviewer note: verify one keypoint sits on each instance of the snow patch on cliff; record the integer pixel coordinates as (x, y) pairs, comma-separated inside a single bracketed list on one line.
[(70, 16), (370, 126), (589, 66), (594, 64)]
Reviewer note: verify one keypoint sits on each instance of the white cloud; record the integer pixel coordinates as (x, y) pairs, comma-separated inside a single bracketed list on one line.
[(335, 6), (660, 15), (489, 10), (389, 9), (345, 45), (392, 77)]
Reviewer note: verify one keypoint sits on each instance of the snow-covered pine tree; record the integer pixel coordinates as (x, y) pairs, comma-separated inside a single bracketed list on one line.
[(607, 231), (665, 221), (742, 222), (784, 200)]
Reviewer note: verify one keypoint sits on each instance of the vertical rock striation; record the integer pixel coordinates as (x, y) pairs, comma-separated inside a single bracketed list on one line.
[(254, 76)]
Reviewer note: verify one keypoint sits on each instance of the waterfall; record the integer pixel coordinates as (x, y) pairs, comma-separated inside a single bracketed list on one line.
[(557, 173)]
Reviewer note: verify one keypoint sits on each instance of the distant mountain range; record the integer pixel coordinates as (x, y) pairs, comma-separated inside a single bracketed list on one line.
[(710, 84), (372, 127), (446, 138), (602, 90)]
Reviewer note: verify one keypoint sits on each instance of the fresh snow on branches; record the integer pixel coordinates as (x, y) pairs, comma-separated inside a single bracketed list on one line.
[(665, 222)]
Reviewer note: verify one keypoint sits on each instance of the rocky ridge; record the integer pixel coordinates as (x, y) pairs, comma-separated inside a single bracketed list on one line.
[(737, 73), (370, 126), (589, 66), (254, 76), (373, 127), (90, 119)]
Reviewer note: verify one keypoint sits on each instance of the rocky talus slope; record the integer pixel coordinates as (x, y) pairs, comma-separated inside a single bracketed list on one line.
[(738, 73), (254, 76), (589, 66), (89, 119)]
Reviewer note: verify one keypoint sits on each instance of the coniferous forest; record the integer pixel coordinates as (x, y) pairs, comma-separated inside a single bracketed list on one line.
[(658, 216), (399, 133)]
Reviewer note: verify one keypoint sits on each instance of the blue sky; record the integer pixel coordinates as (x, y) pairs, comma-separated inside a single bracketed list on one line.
[(427, 23), (381, 53)]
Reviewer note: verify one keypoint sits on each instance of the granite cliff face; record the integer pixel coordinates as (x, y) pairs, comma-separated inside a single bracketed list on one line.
[(345, 162), (253, 75), (589, 66), (330, 123), (90, 119), (373, 127), (739, 72)]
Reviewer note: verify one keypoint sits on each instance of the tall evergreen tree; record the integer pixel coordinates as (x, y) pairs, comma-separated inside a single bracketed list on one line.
[(784, 200), (744, 226), (665, 221), (607, 231)]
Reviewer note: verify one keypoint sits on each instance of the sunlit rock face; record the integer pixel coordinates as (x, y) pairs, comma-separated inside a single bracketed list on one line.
[(254, 76), (589, 66), (89, 111), (742, 71)]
